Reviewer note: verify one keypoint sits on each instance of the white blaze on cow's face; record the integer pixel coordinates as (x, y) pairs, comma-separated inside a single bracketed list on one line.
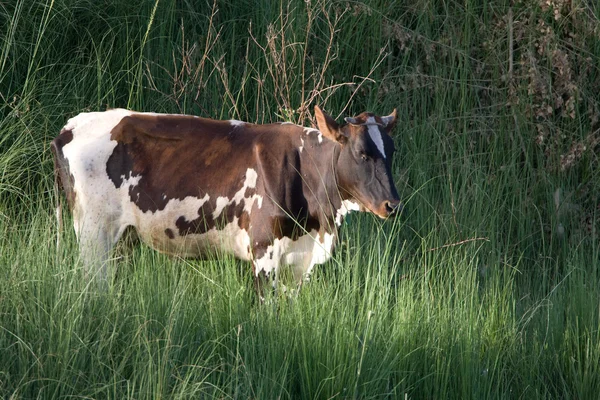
[(376, 135)]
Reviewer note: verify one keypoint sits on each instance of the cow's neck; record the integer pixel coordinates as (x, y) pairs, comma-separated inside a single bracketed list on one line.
[(319, 160)]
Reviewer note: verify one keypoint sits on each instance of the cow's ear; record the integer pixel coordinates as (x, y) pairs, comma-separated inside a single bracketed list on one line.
[(328, 127), (389, 122)]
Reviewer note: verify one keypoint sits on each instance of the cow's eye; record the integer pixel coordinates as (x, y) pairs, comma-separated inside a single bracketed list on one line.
[(364, 156)]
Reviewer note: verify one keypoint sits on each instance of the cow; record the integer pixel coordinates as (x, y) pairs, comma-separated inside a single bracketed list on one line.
[(273, 194)]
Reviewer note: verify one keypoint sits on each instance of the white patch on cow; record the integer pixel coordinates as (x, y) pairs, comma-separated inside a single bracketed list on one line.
[(301, 254), (249, 203), (91, 141), (229, 239), (186, 208), (322, 251), (130, 182), (221, 203), (251, 178), (236, 123), (96, 124), (238, 197), (308, 131), (375, 135), (302, 145), (153, 226), (345, 208)]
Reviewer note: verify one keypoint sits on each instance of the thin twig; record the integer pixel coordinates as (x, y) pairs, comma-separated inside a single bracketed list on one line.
[(459, 243), (452, 202), (510, 45)]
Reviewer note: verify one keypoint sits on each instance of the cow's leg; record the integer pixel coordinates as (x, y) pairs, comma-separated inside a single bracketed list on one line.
[(96, 239), (302, 268), (320, 253), (301, 271), (259, 285), (268, 266), (265, 267)]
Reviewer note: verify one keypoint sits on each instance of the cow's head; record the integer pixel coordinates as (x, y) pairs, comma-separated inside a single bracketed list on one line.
[(364, 167)]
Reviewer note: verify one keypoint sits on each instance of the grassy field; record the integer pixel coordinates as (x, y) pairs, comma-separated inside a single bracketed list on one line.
[(487, 287)]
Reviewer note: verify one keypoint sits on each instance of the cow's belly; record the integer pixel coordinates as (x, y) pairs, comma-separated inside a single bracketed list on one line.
[(159, 230), (229, 240)]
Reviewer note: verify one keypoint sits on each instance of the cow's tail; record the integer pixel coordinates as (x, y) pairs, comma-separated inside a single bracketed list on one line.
[(57, 201), (63, 180)]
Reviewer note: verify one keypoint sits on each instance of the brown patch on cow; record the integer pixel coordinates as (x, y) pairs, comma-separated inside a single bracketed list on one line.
[(322, 237), (293, 228), (199, 225), (222, 151), (65, 137), (169, 153), (119, 164), (244, 221), (169, 233), (63, 177)]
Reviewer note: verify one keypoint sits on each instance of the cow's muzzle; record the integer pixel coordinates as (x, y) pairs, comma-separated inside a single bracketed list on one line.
[(389, 208)]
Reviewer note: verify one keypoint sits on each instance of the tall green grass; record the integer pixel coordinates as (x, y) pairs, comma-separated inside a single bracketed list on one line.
[(486, 287)]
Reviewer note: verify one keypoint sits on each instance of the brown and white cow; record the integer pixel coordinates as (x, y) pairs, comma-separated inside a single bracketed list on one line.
[(272, 194)]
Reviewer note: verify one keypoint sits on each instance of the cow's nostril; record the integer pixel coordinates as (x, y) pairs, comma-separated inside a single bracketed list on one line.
[(392, 206)]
